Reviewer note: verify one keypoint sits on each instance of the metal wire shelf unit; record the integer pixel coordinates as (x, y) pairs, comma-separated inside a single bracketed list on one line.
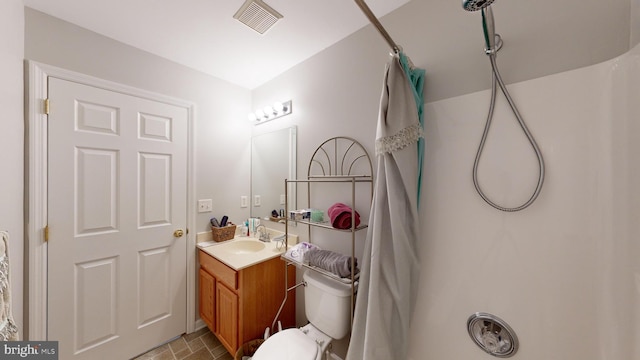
[(338, 160)]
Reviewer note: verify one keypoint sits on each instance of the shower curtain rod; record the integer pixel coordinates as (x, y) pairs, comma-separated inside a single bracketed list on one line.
[(374, 20)]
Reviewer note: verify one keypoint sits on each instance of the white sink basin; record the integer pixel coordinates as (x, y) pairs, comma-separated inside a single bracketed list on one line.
[(242, 252), (242, 247)]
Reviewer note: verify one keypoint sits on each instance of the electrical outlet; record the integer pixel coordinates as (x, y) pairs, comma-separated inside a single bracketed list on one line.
[(257, 201), (281, 199), (205, 205), (244, 201)]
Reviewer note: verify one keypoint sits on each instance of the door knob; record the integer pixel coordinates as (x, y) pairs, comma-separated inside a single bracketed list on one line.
[(178, 233)]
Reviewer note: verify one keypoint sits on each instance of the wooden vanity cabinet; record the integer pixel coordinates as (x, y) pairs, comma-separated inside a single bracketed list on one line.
[(239, 305), (207, 286)]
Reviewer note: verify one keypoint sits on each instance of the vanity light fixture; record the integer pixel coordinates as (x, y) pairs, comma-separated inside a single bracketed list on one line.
[(269, 113)]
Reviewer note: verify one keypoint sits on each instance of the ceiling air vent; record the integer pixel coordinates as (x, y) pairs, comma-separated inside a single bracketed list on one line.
[(257, 15)]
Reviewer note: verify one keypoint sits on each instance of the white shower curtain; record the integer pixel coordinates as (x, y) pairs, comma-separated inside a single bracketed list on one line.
[(389, 274)]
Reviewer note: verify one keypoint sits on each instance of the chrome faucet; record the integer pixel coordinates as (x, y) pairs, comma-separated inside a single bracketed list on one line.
[(263, 234)]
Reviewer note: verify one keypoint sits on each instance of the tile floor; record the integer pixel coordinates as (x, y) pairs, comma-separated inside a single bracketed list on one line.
[(200, 345)]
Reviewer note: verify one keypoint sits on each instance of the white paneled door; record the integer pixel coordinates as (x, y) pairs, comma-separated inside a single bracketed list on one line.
[(117, 185)]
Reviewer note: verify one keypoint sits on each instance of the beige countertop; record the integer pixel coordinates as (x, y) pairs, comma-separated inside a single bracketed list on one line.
[(242, 252)]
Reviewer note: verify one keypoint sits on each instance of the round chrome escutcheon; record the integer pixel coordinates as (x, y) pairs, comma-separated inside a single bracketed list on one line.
[(492, 335)]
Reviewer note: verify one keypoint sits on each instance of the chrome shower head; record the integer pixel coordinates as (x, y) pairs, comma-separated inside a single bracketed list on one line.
[(488, 25), (475, 5)]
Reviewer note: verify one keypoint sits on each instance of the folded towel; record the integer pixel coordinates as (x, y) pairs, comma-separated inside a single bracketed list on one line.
[(296, 253), (340, 215), (333, 262)]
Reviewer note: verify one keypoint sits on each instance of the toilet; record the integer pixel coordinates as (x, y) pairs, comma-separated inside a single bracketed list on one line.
[(327, 306)]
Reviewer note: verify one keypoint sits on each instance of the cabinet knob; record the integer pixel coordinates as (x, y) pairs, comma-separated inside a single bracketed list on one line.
[(178, 233)]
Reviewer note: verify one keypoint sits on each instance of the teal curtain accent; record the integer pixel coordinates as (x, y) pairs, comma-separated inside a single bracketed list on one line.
[(416, 78)]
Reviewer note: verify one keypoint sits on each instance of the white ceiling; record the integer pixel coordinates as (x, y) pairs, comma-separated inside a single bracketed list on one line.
[(202, 34)]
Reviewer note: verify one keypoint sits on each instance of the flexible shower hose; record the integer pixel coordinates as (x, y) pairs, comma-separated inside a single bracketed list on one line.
[(497, 80)]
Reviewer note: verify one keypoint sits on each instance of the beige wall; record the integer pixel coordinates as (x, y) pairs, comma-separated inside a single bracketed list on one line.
[(554, 271), (474, 257), (337, 91), (222, 136), (635, 22), (11, 143)]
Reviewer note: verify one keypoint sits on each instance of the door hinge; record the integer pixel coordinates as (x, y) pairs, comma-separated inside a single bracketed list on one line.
[(46, 106), (46, 233)]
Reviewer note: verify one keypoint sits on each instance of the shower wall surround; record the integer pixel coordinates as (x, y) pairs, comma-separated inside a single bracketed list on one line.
[(564, 272)]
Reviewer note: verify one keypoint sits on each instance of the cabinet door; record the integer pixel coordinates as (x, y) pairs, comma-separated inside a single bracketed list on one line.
[(207, 285), (227, 317)]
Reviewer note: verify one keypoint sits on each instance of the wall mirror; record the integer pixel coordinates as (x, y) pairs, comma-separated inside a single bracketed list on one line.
[(273, 159)]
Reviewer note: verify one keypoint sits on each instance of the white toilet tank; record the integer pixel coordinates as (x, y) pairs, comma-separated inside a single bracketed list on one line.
[(327, 304)]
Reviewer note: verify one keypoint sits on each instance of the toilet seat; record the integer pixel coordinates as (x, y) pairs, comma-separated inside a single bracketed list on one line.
[(289, 344)]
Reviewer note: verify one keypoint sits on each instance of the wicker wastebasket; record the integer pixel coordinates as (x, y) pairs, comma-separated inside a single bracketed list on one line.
[(248, 348)]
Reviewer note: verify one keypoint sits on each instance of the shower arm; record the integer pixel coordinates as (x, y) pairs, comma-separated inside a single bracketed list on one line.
[(374, 20)]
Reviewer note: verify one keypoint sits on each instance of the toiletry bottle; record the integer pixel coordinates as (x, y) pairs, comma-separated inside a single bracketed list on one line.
[(243, 229)]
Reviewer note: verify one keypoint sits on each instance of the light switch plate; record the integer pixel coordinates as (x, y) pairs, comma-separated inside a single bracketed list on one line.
[(281, 199), (244, 201), (257, 201), (205, 205)]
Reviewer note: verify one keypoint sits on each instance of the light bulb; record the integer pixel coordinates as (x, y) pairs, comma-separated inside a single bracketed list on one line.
[(252, 117), (268, 110), (260, 114), (278, 107)]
